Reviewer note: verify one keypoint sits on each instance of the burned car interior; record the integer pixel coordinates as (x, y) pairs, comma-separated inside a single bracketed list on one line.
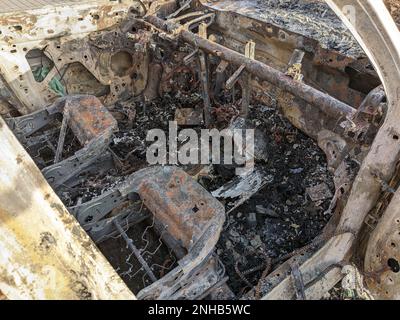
[(82, 82)]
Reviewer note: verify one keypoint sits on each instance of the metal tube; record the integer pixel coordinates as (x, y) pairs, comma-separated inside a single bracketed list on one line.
[(135, 251), (323, 101)]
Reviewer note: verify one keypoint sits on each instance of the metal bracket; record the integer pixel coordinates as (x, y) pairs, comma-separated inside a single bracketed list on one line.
[(249, 53), (230, 83), (250, 50), (220, 76), (295, 65), (246, 81)]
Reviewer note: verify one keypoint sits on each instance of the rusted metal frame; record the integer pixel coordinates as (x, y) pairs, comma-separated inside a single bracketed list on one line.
[(92, 215), (105, 229), (91, 123), (250, 52), (196, 221), (366, 122), (89, 118), (60, 173), (378, 35), (325, 69), (323, 101), (331, 254), (44, 252), (220, 76), (102, 46), (61, 139), (172, 196), (27, 125), (41, 27), (41, 139), (219, 285), (190, 25), (383, 50), (206, 276), (96, 209), (382, 256), (204, 77), (136, 252)]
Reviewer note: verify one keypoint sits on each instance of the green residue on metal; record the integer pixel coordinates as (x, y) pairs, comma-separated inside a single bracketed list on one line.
[(40, 74)]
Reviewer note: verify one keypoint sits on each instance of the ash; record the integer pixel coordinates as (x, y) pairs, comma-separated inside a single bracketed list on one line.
[(281, 217)]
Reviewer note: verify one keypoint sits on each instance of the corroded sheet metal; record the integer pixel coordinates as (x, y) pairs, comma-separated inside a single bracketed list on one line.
[(180, 203), (88, 118), (60, 29)]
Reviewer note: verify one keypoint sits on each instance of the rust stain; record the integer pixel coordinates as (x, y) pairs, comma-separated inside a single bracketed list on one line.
[(88, 118), (18, 159), (186, 217), (47, 241)]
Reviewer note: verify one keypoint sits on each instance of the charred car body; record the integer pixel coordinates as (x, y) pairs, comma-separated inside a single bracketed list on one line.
[(81, 85)]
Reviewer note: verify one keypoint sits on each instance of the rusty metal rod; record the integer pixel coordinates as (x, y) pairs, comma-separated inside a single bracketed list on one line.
[(321, 100), (135, 251), (205, 83), (61, 139)]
